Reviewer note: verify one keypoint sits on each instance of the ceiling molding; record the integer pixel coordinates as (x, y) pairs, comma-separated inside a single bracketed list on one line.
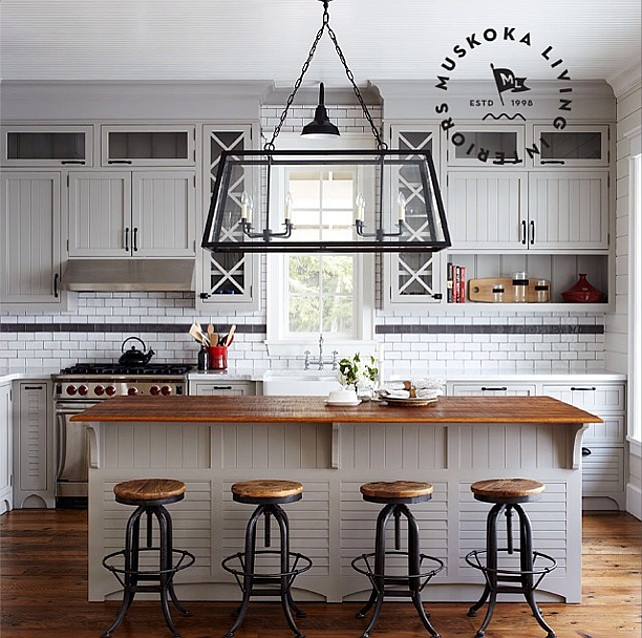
[(626, 79)]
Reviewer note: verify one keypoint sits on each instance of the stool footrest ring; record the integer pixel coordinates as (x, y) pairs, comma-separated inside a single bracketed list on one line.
[(185, 559), (240, 572), (362, 564), (472, 558)]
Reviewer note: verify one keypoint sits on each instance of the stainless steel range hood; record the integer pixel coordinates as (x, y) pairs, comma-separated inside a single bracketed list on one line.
[(122, 275)]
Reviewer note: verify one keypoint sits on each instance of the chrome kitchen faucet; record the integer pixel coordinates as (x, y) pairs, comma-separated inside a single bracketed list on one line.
[(321, 361)]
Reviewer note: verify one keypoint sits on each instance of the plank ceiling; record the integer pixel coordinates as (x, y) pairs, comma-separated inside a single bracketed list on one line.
[(269, 39)]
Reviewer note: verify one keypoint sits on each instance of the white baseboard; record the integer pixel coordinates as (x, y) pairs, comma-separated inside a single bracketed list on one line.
[(634, 501)]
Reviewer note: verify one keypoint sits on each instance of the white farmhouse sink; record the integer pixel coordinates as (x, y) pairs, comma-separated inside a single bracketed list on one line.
[(318, 383)]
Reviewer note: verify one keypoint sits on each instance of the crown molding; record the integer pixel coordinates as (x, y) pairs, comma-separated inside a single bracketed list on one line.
[(627, 79)]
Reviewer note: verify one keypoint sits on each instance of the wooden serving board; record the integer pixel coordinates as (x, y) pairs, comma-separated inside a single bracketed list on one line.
[(482, 290)]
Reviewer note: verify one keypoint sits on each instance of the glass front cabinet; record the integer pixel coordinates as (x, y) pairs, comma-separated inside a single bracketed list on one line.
[(228, 279), (412, 278), (573, 146), (167, 145), (31, 146)]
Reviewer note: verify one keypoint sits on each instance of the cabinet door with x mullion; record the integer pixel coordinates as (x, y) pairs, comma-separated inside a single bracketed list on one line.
[(412, 278), (230, 279)]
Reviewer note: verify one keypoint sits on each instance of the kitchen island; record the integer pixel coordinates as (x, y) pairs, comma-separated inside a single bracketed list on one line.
[(212, 442)]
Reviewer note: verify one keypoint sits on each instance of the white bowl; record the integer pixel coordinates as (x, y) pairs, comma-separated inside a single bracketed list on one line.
[(344, 395)]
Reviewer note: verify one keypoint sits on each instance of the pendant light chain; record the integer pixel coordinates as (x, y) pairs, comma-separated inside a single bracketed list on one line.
[(381, 145)]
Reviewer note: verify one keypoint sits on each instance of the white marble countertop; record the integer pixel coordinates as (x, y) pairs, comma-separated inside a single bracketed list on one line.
[(454, 376)]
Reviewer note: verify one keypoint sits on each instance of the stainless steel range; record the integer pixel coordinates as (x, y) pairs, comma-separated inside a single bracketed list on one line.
[(83, 385)]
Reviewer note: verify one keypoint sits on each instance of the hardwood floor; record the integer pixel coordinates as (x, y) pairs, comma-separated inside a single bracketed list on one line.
[(43, 591)]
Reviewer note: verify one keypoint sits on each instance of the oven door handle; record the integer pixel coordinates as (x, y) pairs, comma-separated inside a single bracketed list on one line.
[(61, 441)]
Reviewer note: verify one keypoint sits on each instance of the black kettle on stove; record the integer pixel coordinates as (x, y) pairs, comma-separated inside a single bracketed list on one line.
[(133, 356)]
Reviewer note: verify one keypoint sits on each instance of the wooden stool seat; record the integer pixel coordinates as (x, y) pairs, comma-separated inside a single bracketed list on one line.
[(382, 491), (264, 490), (515, 490), (151, 490)]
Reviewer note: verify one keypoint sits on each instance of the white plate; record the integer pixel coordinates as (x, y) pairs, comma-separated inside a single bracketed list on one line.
[(343, 404)]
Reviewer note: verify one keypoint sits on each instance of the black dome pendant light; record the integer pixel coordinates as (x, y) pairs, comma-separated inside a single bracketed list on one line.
[(321, 128)]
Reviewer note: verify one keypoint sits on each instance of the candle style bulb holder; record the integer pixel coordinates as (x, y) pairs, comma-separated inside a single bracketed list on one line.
[(266, 234), (379, 234)]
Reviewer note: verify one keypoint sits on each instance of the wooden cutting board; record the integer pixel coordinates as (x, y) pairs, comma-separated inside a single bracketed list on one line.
[(482, 290)]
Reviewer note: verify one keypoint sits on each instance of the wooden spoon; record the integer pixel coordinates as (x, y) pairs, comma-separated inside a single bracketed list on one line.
[(230, 335)]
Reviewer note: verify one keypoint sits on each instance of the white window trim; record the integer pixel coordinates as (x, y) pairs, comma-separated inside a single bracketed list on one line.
[(277, 346), (634, 408)]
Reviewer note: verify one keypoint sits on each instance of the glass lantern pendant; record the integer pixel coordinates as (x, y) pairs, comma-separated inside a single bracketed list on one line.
[(400, 209)]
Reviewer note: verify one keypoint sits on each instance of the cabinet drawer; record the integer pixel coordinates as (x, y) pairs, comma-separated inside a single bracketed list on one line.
[(230, 388), (493, 389), (603, 471), (591, 397), (609, 432)]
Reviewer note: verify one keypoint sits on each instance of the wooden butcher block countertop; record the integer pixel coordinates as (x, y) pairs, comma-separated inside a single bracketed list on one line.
[(271, 409)]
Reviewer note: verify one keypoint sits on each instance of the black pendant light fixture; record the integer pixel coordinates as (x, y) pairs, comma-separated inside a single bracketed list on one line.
[(321, 128), (251, 209)]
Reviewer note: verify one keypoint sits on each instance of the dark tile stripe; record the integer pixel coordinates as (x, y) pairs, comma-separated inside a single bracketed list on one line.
[(137, 328), (490, 329)]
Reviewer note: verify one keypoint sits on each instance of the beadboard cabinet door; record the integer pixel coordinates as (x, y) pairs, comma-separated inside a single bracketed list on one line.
[(569, 210), (486, 208), (30, 238), (163, 213), (99, 214)]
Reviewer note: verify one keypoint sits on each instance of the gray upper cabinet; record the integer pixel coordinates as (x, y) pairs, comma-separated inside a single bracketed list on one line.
[(227, 280), (162, 145), (30, 232), (412, 278), (139, 213), (23, 146), (568, 210), (573, 146), (487, 209)]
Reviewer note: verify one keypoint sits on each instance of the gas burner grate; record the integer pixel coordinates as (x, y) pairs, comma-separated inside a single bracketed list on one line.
[(117, 369)]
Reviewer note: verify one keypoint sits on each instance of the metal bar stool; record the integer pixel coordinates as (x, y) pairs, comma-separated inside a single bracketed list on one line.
[(149, 496), (268, 496), (396, 496), (507, 494)]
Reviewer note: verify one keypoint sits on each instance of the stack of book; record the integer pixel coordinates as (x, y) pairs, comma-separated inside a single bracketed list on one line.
[(456, 283)]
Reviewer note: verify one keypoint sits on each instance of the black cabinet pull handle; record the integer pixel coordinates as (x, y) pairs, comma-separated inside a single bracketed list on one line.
[(119, 161), (135, 238), (560, 162), (73, 162), (56, 277), (573, 389), (532, 232), (127, 239), (437, 295), (523, 231), (205, 295), (485, 389), (32, 387), (586, 451), (222, 387)]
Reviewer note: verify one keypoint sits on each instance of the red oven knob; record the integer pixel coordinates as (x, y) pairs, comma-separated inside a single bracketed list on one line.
[(132, 391), (154, 390), (99, 390), (71, 390), (83, 390), (110, 390), (166, 390)]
